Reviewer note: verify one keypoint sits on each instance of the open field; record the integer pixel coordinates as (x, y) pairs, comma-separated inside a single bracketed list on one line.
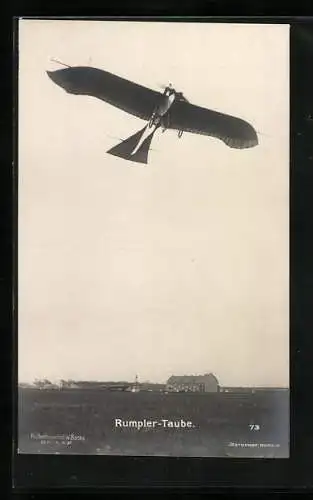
[(83, 421)]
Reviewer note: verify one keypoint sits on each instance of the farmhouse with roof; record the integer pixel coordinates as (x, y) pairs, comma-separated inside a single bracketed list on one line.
[(193, 383)]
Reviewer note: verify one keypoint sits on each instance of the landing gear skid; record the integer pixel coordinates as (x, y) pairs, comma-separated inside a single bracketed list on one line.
[(165, 123), (154, 120)]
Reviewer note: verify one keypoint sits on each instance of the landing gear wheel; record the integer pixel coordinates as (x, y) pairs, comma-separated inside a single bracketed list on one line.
[(151, 122), (180, 133)]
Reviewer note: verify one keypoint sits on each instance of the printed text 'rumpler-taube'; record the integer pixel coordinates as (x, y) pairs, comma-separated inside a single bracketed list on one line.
[(153, 424)]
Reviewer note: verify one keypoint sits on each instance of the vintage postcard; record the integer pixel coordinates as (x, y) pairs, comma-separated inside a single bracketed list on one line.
[(153, 238)]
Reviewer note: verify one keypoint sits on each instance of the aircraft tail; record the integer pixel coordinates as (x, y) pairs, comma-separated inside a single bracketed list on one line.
[(125, 148)]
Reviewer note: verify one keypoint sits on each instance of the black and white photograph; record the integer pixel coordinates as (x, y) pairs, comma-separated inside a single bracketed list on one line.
[(153, 238)]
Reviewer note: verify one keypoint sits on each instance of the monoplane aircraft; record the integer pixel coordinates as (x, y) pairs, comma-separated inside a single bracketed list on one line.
[(167, 110)]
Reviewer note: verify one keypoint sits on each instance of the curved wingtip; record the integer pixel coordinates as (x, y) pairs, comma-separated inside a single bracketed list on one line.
[(62, 78), (252, 143), (247, 136), (53, 75), (249, 142), (241, 144)]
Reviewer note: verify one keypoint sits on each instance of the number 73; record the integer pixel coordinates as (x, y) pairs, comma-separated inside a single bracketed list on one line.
[(254, 427)]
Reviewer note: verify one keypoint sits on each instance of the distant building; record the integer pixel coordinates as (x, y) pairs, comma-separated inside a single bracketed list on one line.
[(193, 383)]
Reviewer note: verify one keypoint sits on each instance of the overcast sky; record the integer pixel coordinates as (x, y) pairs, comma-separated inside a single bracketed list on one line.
[(178, 267)]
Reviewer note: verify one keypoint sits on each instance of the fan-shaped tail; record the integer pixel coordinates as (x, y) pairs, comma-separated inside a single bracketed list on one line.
[(125, 148)]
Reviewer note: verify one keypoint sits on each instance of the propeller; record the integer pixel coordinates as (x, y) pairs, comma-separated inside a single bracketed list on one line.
[(164, 86), (179, 95)]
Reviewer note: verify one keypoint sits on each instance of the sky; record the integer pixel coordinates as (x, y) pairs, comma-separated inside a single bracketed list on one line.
[(177, 267)]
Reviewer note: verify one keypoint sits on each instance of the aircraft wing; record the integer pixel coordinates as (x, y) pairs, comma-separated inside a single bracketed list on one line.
[(234, 132), (121, 93)]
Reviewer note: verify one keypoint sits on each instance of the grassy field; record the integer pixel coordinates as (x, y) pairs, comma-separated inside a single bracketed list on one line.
[(83, 421)]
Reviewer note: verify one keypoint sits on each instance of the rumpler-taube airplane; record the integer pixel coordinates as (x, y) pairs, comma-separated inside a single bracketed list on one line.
[(167, 110)]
